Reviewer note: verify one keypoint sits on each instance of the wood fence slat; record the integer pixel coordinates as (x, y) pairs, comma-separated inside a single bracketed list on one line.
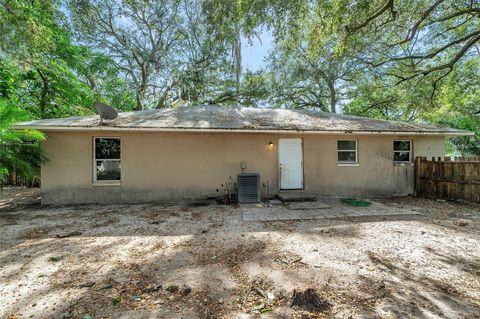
[(458, 179)]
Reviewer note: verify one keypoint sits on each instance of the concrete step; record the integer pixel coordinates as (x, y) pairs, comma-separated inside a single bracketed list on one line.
[(296, 197)]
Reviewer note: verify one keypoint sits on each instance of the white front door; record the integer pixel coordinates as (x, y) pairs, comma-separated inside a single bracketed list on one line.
[(290, 157)]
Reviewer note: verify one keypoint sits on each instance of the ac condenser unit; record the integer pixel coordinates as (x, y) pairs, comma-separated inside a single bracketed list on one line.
[(249, 188)]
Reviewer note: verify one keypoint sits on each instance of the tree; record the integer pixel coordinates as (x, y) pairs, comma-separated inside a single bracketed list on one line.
[(206, 71), (418, 39), (225, 21), (459, 98), (20, 152), (311, 78), (255, 89), (170, 51), (99, 72), (34, 43), (139, 36), (405, 60), (52, 74), (42, 74)]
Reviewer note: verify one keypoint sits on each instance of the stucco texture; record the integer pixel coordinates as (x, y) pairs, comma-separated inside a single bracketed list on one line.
[(170, 166)]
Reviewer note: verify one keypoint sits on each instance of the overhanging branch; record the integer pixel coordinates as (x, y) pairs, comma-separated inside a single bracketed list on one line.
[(414, 30), (388, 6)]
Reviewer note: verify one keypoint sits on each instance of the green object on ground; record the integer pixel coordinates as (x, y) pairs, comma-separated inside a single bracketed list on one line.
[(116, 300), (355, 202), (54, 258), (265, 310), (172, 288)]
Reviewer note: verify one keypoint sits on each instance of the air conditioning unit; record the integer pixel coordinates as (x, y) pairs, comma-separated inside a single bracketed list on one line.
[(249, 188)]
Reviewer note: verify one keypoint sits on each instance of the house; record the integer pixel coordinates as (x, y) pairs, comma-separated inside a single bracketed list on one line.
[(188, 152)]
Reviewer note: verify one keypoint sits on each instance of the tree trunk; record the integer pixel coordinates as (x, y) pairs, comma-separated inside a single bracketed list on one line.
[(238, 63), (44, 94), (161, 100), (333, 96), (139, 97), (143, 87), (91, 83)]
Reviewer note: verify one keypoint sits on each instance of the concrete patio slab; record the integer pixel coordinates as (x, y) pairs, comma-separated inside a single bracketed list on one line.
[(333, 209), (276, 202), (307, 205)]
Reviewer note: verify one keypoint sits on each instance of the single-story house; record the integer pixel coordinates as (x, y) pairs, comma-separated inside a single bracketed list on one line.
[(188, 152)]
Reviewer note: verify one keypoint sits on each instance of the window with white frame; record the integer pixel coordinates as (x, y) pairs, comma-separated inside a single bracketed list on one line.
[(107, 162), (402, 151), (347, 152)]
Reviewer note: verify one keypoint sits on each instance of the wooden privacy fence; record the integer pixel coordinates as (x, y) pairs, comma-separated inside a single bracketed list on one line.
[(457, 178)]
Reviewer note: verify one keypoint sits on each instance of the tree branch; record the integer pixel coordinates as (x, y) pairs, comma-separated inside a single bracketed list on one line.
[(413, 32), (473, 35), (455, 59), (388, 6), (475, 11)]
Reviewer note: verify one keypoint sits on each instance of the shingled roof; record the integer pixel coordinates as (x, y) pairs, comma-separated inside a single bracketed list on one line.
[(208, 118)]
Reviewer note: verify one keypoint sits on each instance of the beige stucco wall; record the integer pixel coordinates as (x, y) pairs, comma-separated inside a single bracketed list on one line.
[(166, 166)]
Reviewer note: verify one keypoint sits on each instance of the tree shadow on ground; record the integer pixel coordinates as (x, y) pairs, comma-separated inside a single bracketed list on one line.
[(129, 250), (155, 284), (470, 266), (403, 292)]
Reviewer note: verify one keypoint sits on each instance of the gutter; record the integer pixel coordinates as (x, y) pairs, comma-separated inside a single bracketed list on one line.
[(221, 130)]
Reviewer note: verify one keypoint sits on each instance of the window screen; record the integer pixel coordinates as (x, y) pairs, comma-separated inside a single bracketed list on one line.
[(107, 159), (402, 151), (347, 151)]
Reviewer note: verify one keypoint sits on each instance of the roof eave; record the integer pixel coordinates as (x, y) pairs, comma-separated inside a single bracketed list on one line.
[(235, 130)]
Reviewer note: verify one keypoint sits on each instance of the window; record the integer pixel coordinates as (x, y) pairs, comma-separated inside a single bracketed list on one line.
[(107, 159), (402, 151), (347, 152)]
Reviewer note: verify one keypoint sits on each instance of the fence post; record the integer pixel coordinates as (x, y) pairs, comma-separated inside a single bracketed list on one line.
[(418, 174)]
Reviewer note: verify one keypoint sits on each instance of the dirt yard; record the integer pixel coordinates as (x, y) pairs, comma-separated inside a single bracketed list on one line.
[(157, 261)]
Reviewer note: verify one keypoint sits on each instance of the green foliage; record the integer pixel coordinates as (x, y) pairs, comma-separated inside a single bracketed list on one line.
[(464, 145), (255, 89), (405, 60), (454, 105), (20, 152), (44, 74), (459, 100), (116, 300)]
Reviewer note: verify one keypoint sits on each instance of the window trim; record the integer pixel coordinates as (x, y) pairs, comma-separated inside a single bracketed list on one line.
[(410, 152), (343, 163), (96, 182)]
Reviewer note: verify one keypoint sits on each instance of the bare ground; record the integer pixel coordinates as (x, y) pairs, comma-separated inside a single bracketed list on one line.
[(157, 261)]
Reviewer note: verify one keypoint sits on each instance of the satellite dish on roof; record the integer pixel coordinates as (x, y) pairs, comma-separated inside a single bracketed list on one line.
[(105, 111)]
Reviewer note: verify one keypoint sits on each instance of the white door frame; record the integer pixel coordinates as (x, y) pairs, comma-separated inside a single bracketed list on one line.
[(302, 175)]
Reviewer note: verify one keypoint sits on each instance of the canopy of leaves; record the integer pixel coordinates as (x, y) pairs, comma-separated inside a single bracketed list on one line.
[(403, 60), (20, 152), (406, 60)]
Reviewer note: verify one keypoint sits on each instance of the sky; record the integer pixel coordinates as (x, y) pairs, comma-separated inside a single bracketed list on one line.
[(255, 51)]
